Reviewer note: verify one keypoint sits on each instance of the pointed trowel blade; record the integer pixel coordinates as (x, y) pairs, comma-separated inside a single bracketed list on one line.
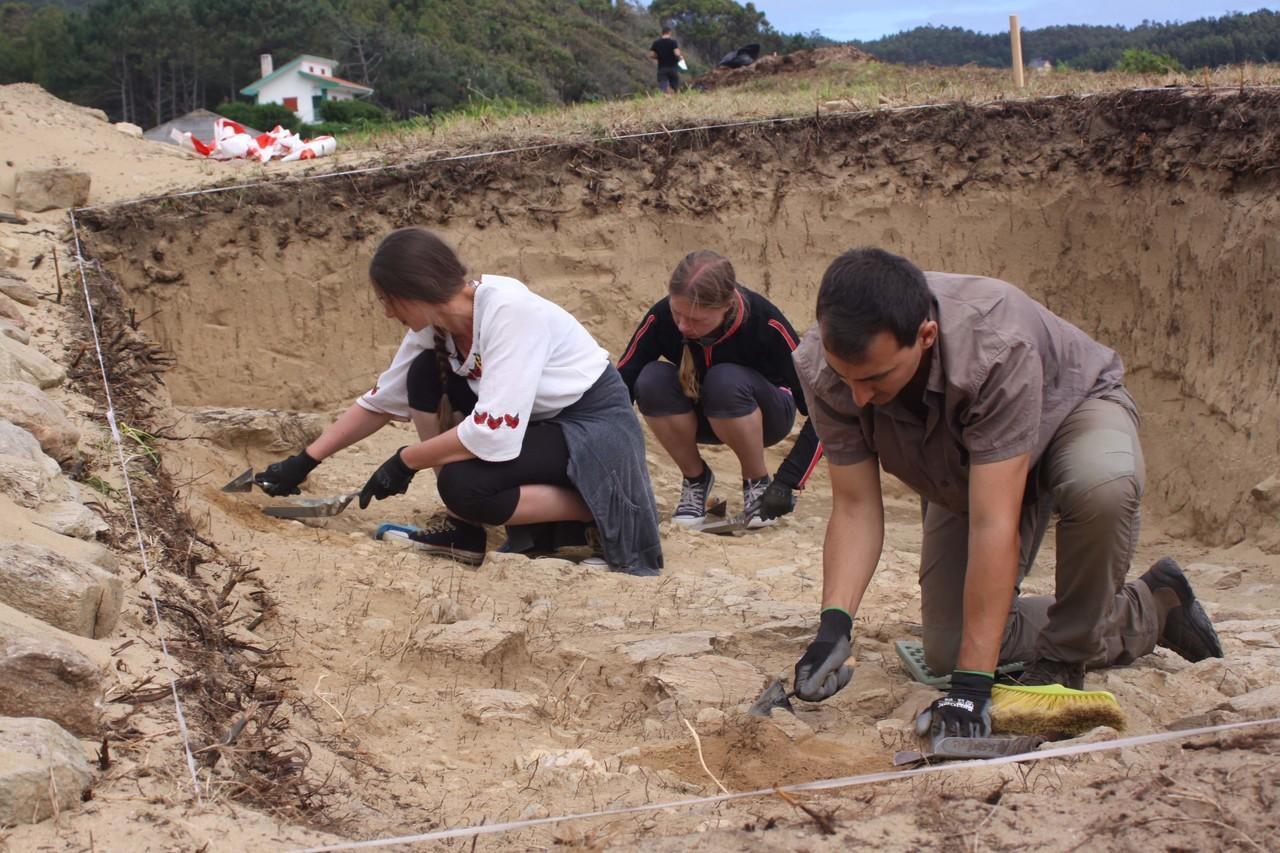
[(242, 483), (774, 696)]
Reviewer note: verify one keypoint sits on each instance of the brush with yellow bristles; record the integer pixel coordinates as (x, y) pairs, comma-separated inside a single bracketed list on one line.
[(1052, 711)]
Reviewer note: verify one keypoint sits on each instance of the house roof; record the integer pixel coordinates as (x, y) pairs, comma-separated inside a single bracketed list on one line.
[(252, 88), (198, 123), (336, 83)]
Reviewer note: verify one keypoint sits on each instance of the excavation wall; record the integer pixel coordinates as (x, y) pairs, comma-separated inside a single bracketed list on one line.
[(1149, 219)]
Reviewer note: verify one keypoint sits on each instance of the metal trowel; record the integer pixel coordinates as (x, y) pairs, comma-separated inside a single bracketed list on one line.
[(311, 507), (968, 749), (242, 483), (774, 696)]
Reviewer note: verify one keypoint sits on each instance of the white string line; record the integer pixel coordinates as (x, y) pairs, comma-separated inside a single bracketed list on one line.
[(133, 508), (820, 785), (638, 135)]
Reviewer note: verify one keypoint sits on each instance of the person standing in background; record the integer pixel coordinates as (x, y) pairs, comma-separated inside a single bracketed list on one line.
[(666, 52)]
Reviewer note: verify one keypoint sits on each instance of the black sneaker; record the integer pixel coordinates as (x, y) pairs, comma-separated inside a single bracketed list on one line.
[(1044, 672), (692, 509), (1187, 628), (453, 538)]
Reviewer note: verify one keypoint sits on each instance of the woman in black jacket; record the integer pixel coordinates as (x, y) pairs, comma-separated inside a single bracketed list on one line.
[(727, 379)]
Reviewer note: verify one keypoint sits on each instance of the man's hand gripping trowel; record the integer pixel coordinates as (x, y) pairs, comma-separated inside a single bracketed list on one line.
[(299, 508), (941, 746)]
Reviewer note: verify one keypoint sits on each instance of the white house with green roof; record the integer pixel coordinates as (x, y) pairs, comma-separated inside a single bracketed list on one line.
[(301, 84)]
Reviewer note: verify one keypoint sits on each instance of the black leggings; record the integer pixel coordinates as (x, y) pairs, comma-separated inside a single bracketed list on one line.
[(476, 490)]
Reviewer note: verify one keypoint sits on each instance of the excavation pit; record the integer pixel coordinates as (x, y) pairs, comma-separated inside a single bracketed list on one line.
[(1149, 219)]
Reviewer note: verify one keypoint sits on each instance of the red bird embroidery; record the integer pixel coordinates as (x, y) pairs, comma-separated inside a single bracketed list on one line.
[(494, 423), (479, 417), (512, 421)]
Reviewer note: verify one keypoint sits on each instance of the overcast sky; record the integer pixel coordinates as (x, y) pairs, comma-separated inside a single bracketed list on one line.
[(869, 19)]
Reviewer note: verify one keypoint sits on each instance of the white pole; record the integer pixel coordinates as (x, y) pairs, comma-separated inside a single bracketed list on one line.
[(1015, 35)]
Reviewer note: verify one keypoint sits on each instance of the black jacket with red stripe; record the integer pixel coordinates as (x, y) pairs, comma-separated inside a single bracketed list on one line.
[(762, 339)]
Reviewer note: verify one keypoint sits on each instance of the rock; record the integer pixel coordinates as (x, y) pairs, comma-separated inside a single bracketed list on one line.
[(22, 363), (44, 672), (1256, 704), (482, 705), (1263, 639), (161, 275), (77, 597), (573, 762), (16, 441), (22, 480), (46, 189), (1218, 577), (1099, 734), (128, 128), (13, 331), (672, 645), (19, 524), (258, 428), (470, 640), (43, 770), (790, 725), (920, 697), (27, 406), (9, 311), (71, 518), (711, 721), (708, 680), (19, 291), (1267, 492)]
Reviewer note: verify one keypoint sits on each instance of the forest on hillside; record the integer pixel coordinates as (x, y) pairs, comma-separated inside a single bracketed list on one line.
[(1209, 42), (145, 61)]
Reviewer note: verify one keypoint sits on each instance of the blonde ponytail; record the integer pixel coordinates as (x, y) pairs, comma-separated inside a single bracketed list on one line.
[(689, 375)]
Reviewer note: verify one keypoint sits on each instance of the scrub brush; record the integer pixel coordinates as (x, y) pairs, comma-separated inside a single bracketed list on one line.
[(1052, 710)]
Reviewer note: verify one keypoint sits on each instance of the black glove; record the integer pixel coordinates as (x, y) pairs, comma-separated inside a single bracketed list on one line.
[(820, 673), (777, 500), (963, 712), (282, 478), (391, 478)]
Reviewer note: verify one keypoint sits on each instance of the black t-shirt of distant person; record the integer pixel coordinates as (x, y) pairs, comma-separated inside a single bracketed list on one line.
[(665, 48)]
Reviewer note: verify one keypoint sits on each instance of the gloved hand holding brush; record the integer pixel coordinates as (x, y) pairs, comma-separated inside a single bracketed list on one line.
[(964, 712)]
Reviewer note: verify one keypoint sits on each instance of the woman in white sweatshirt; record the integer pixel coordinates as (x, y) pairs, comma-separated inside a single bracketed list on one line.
[(548, 432)]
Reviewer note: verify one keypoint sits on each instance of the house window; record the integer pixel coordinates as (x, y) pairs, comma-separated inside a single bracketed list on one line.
[(291, 104)]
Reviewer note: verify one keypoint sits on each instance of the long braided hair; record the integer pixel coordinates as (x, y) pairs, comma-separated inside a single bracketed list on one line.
[(706, 279), (415, 263)]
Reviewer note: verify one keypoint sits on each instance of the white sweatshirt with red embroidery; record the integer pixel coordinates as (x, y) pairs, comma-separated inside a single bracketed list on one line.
[(529, 360)]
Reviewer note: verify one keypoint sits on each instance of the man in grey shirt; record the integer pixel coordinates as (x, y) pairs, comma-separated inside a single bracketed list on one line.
[(1000, 414)]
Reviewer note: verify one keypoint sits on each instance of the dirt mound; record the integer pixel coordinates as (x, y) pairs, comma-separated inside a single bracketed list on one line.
[(39, 131), (787, 63)]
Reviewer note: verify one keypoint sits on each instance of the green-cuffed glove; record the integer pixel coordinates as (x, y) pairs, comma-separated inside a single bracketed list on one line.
[(821, 672)]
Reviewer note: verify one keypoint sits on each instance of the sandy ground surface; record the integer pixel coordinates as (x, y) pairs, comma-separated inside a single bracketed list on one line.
[(606, 673)]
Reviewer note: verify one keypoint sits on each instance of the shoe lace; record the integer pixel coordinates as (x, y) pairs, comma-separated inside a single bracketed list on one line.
[(753, 495), (693, 497), (438, 524)]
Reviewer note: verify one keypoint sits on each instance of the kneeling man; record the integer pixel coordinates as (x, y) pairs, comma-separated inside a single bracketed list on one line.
[(1001, 415)]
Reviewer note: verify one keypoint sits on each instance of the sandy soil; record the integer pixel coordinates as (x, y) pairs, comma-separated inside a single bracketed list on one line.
[(1160, 247)]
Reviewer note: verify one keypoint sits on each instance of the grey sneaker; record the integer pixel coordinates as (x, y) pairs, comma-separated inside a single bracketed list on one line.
[(692, 509), (752, 501)]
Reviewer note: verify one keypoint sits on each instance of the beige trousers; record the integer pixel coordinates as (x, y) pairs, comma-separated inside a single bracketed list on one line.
[(1091, 477)]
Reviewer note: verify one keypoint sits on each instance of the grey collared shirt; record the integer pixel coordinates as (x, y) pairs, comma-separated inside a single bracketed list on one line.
[(1004, 374)]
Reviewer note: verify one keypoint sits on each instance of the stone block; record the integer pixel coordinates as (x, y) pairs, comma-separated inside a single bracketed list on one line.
[(19, 524), (22, 480), (261, 429), (43, 770), (30, 408), (483, 705), (71, 518), (474, 640), (708, 680), (20, 362), (19, 291), (48, 189), (10, 311), (672, 645), (72, 595), (48, 673), (13, 331)]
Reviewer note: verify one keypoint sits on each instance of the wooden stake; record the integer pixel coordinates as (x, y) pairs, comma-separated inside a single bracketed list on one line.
[(1015, 36)]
